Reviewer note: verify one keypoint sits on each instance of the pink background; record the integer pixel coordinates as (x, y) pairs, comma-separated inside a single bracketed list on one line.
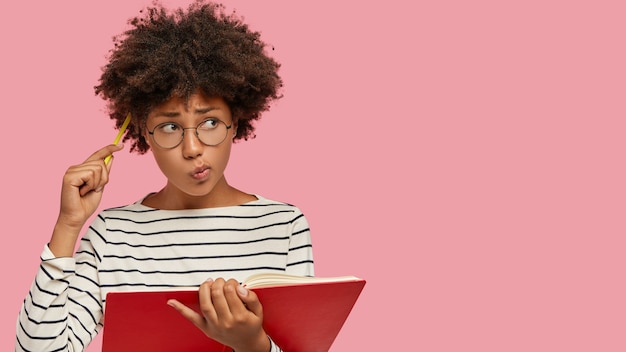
[(465, 157)]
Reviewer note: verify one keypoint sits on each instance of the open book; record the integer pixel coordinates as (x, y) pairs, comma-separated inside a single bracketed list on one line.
[(301, 314)]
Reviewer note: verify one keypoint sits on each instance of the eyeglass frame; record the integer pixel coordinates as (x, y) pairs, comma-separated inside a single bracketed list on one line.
[(182, 136)]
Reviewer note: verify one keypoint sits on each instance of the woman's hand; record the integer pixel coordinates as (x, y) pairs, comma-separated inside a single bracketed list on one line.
[(230, 314), (80, 196)]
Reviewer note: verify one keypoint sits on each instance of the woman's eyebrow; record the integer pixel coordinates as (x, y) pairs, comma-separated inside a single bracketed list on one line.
[(167, 114), (200, 111), (205, 110)]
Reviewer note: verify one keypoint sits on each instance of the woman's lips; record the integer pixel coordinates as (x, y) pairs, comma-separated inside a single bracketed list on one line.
[(200, 173)]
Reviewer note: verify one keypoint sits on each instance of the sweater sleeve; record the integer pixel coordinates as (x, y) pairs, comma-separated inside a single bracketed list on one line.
[(274, 347), (63, 309), (300, 254)]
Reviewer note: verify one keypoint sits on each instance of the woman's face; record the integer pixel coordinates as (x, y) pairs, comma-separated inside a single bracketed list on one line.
[(193, 168)]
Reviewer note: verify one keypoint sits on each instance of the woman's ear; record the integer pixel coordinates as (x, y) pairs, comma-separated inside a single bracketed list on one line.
[(146, 136), (234, 128)]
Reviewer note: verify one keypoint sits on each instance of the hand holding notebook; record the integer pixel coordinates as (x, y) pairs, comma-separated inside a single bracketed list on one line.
[(300, 314)]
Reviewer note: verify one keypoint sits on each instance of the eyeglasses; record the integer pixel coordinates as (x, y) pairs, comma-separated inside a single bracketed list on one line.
[(210, 132)]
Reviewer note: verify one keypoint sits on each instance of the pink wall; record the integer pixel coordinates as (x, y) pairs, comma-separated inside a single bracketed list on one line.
[(465, 157)]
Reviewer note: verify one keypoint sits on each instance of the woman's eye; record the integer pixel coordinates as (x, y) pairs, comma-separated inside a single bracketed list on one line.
[(208, 124), (169, 128)]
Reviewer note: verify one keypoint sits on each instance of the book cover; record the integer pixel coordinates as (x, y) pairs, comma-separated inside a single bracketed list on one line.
[(299, 317)]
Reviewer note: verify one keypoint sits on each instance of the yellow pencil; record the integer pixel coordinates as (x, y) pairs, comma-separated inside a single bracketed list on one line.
[(119, 136)]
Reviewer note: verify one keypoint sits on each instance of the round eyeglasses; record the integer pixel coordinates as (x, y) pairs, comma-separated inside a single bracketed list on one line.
[(210, 132)]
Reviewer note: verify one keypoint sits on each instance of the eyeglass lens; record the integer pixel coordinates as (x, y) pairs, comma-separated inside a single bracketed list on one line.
[(210, 132)]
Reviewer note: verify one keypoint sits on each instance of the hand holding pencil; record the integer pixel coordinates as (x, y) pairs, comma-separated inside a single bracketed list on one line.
[(81, 194)]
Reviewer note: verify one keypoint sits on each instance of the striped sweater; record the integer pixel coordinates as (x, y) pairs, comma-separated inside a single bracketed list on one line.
[(135, 247)]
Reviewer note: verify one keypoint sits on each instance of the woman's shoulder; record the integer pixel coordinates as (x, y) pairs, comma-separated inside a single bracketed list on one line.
[(267, 202), (133, 208), (269, 206)]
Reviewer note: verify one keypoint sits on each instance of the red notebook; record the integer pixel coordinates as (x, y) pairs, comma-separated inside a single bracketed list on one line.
[(300, 314)]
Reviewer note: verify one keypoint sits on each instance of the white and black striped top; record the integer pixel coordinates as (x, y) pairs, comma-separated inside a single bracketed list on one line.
[(140, 248)]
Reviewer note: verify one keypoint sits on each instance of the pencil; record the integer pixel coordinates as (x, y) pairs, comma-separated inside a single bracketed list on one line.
[(119, 136)]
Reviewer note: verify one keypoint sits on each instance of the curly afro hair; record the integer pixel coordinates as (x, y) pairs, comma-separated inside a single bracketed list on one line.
[(169, 53)]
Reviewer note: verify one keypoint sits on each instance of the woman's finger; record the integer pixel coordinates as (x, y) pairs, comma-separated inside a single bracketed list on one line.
[(219, 304), (206, 302), (190, 314), (235, 304), (103, 152)]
